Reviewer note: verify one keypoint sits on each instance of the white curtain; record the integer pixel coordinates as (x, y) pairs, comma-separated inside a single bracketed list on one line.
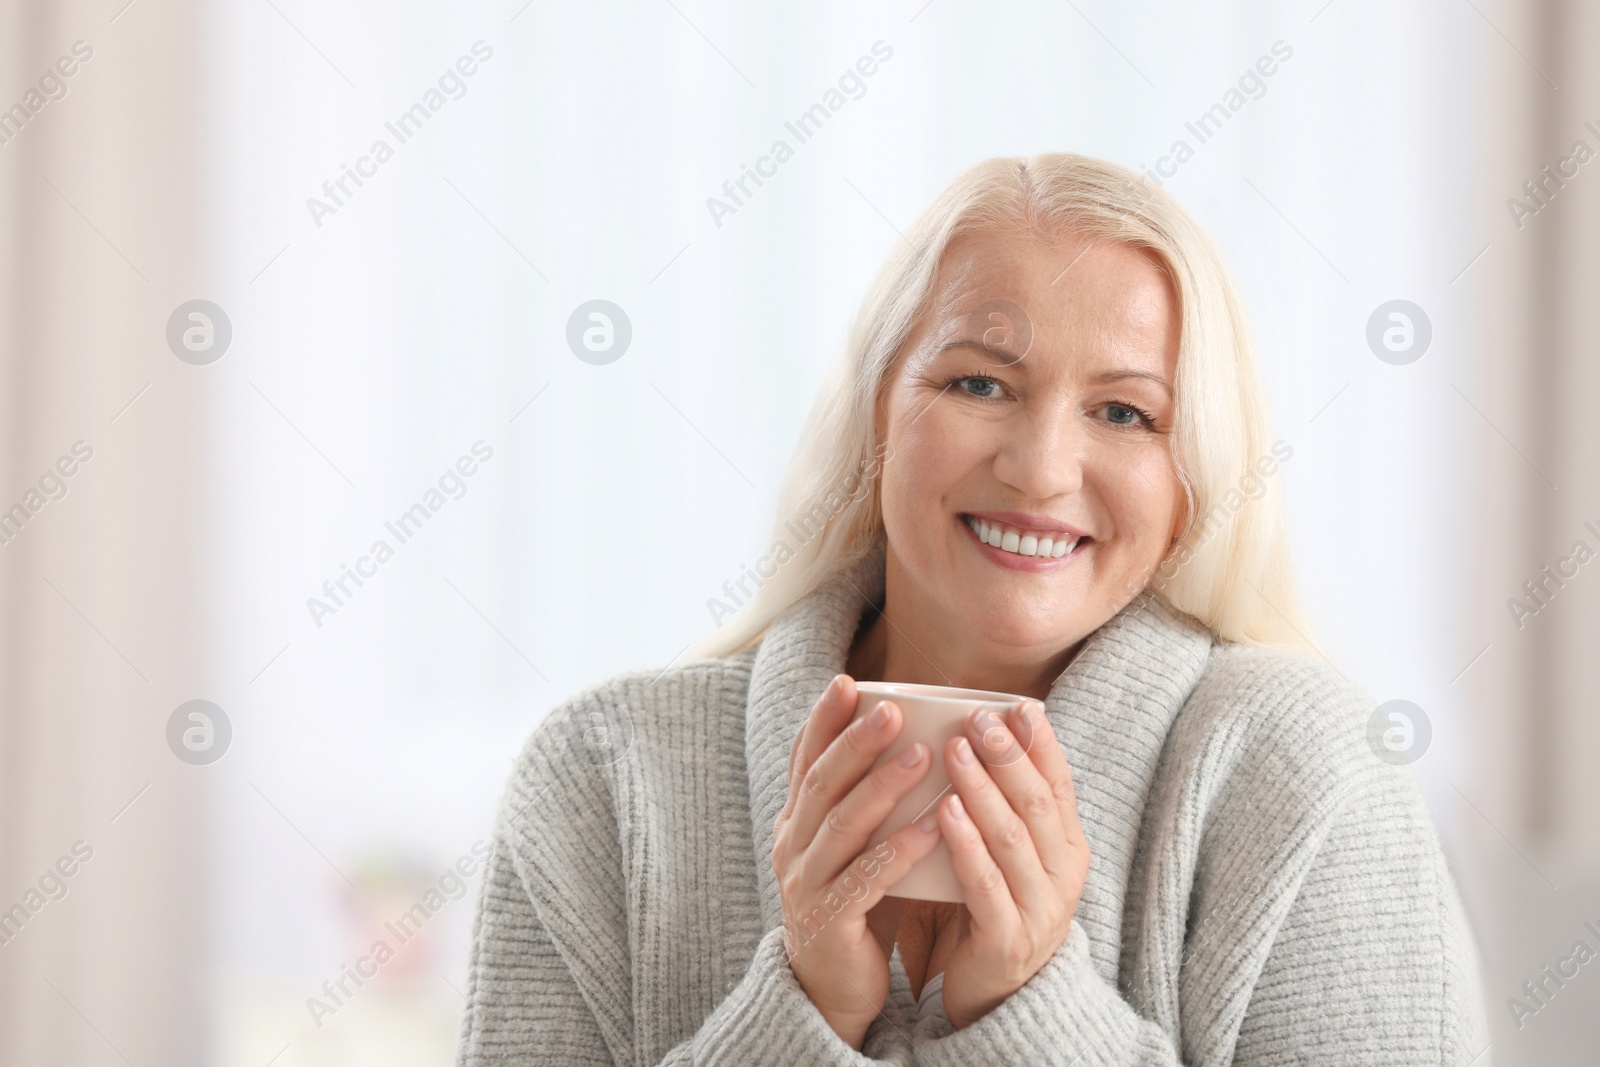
[(106, 479), (1531, 462)]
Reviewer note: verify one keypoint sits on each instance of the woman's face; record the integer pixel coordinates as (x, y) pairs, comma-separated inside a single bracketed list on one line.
[(1032, 405)]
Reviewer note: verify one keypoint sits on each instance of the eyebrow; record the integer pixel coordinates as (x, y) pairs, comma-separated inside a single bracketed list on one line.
[(995, 355), (1119, 375), (1006, 359)]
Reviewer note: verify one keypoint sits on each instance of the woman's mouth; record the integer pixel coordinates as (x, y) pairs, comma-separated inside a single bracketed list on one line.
[(1020, 544)]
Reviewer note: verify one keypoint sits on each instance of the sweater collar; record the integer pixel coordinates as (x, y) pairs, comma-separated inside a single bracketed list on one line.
[(1111, 710)]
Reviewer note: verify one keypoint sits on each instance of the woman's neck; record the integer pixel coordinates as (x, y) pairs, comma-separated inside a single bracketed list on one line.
[(883, 652)]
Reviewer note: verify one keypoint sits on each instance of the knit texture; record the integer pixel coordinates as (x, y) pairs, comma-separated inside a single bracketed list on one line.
[(1263, 890)]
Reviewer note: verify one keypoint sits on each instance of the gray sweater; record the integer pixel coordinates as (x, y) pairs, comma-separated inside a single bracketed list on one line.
[(1263, 889)]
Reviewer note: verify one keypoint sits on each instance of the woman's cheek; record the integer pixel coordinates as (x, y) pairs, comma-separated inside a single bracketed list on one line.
[(1142, 496), (936, 453), (1152, 488)]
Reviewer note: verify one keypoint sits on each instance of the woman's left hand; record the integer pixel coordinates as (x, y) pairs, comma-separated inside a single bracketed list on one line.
[(1019, 853)]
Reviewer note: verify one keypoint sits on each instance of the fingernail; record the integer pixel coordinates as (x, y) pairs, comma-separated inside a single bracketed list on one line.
[(957, 810), (880, 715), (929, 822), (911, 756), (963, 751), (1025, 714), (992, 732), (987, 721), (834, 685)]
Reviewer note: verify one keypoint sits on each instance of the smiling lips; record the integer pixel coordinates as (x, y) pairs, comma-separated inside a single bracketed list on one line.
[(1040, 544)]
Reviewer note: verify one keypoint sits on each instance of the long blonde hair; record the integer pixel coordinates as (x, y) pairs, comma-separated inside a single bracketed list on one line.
[(1229, 569)]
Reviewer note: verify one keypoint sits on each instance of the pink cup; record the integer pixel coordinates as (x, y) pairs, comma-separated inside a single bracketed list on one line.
[(932, 714)]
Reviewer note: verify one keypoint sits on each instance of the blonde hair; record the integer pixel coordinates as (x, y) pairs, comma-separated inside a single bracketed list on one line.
[(1230, 567)]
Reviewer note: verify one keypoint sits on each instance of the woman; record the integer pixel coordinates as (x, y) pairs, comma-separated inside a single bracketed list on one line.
[(1043, 468)]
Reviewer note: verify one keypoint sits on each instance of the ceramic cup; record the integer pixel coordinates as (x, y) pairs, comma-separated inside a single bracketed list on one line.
[(932, 714)]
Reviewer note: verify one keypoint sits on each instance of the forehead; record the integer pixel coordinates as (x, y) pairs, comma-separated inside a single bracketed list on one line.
[(1062, 282)]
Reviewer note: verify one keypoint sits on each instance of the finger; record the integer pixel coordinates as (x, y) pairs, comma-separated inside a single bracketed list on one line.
[(842, 764), (1051, 761), (1008, 838), (831, 714), (1014, 768), (845, 830), (794, 752), (983, 884), (893, 857), (828, 716), (864, 883), (994, 749)]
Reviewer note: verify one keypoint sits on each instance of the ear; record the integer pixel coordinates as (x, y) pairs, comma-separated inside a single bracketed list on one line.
[(880, 404), (1180, 518)]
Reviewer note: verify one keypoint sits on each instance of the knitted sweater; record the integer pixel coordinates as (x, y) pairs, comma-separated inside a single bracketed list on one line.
[(1263, 890)]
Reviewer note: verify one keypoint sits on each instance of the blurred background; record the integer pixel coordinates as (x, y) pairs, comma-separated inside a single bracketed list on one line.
[(280, 281)]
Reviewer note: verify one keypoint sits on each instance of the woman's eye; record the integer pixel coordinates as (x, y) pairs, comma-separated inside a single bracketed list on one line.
[(1123, 415), (982, 388)]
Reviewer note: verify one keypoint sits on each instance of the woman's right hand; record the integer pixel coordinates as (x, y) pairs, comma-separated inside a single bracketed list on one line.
[(838, 937)]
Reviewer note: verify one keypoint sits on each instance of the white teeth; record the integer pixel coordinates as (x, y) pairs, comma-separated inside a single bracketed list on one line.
[(1009, 540)]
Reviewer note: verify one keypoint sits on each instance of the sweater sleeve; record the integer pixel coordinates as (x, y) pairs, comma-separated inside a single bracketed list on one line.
[(767, 1019), (1373, 965), (1064, 1015), (522, 1005), (1376, 962), (525, 1007)]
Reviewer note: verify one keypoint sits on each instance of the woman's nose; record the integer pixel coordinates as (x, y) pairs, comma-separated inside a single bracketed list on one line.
[(1041, 455)]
